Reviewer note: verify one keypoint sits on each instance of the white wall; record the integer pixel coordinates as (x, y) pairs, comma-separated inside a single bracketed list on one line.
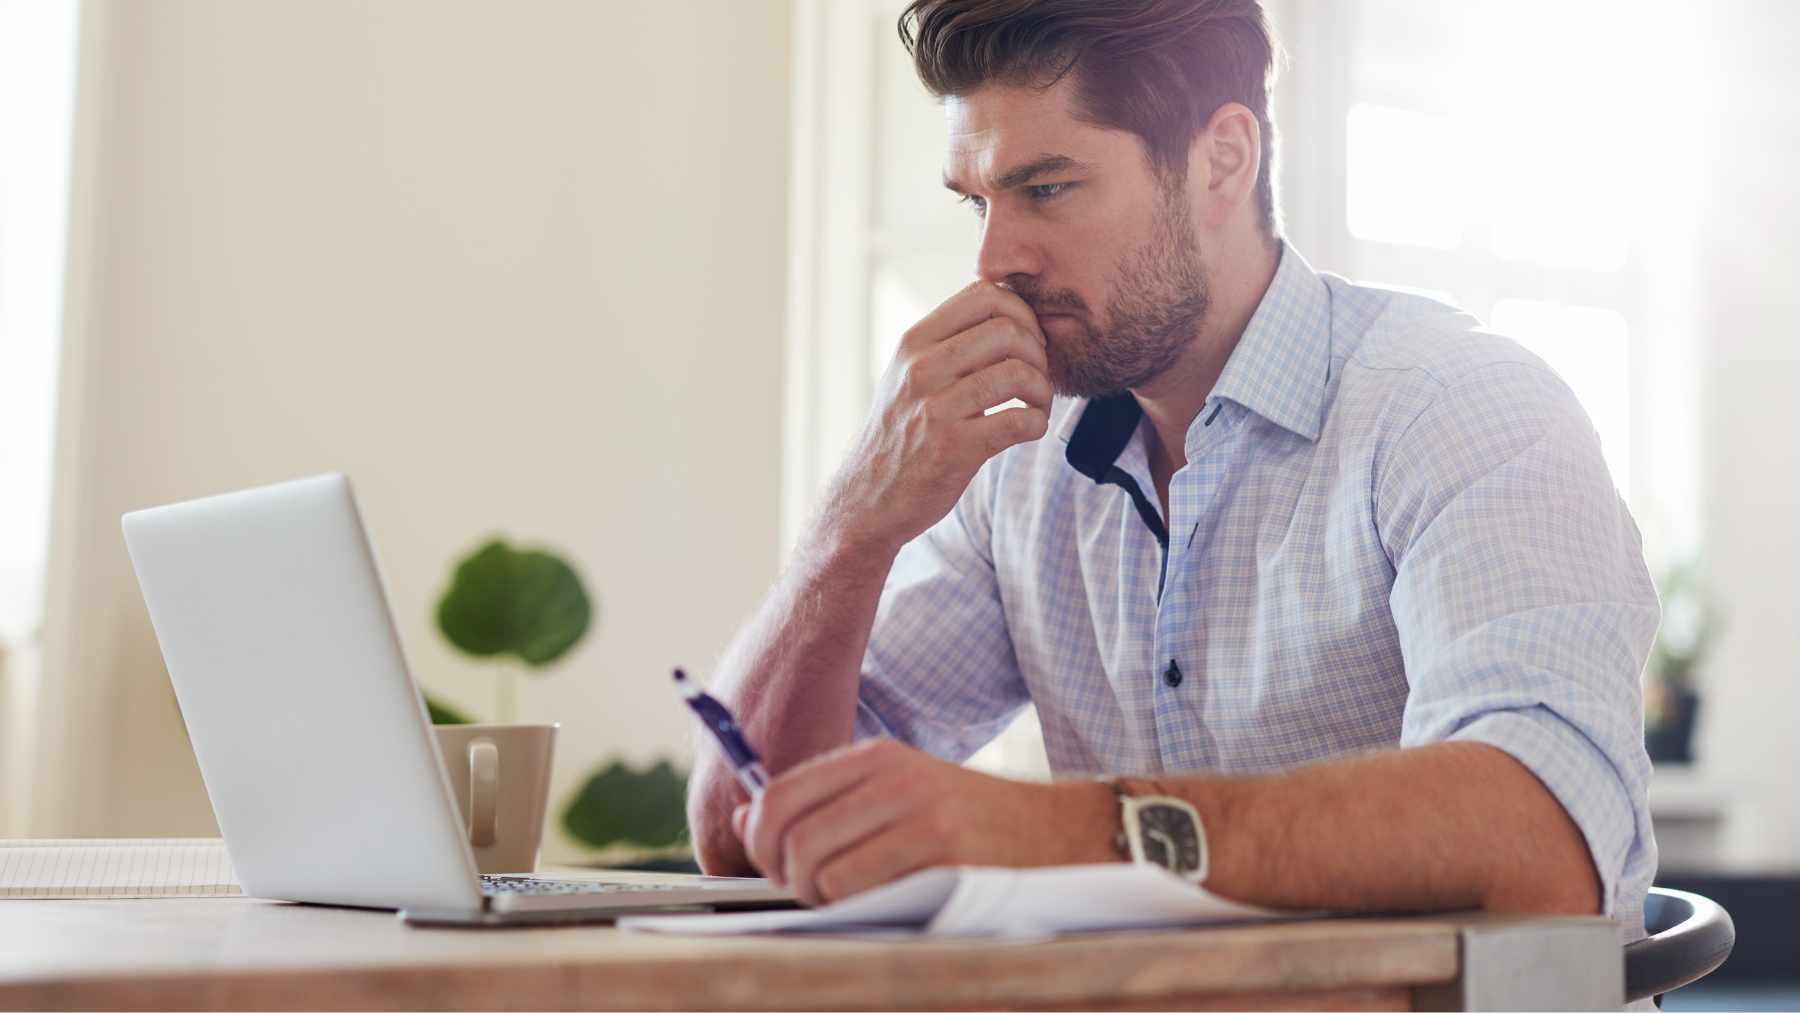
[(1750, 349), (515, 268)]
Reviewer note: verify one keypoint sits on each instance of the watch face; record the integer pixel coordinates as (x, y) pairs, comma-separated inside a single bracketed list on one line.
[(1170, 837)]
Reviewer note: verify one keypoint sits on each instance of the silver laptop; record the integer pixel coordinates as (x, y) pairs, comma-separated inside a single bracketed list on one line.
[(313, 739)]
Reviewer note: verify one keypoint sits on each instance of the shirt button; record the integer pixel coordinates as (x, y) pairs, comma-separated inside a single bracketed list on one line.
[(1172, 674)]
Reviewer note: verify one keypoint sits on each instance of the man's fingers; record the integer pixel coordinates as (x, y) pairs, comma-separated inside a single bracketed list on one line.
[(1012, 426), (880, 858), (980, 346), (982, 300), (796, 792), (974, 394), (812, 841)]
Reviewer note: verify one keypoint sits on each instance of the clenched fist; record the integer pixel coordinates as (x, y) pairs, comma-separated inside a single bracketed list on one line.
[(928, 432)]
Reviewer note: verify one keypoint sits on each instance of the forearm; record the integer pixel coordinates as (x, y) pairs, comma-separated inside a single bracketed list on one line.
[(793, 673), (1442, 827), (790, 677)]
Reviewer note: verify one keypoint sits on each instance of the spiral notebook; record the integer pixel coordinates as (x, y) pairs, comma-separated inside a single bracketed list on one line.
[(142, 867)]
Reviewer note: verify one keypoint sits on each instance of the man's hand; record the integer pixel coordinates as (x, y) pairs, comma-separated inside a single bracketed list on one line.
[(874, 811), (928, 432)]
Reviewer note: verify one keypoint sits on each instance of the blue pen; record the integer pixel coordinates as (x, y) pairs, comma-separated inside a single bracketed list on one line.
[(724, 728)]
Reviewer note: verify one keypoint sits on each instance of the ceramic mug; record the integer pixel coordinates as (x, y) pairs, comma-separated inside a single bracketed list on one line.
[(500, 775)]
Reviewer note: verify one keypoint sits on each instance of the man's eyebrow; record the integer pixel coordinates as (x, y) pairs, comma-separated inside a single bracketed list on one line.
[(1020, 175)]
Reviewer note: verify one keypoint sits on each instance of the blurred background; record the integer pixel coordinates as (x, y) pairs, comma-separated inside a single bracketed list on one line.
[(614, 279)]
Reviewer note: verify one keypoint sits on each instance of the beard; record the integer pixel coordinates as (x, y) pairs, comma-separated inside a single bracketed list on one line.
[(1159, 299)]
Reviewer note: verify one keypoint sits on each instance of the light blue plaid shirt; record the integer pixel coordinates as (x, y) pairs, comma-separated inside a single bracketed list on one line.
[(1392, 529)]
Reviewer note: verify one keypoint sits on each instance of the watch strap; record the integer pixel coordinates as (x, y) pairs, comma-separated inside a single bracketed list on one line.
[(1121, 843), (1122, 789)]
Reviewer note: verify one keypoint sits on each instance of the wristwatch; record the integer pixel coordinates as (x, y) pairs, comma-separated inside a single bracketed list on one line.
[(1160, 830)]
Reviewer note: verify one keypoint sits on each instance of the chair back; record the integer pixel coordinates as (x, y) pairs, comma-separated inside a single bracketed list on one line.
[(1689, 937)]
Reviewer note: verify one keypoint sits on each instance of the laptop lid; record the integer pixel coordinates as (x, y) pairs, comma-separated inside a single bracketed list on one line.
[(312, 739)]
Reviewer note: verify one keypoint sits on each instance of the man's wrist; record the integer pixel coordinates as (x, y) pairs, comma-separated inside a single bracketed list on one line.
[(843, 538), (1090, 817)]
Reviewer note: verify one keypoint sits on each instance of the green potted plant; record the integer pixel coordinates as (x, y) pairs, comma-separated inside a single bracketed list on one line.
[(529, 608), (1671, 700)]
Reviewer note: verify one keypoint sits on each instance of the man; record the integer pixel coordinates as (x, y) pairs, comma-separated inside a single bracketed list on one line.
[(1326, 564)]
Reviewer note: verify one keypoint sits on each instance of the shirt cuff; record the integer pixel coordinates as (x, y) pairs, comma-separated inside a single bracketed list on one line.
[(1577, 773)]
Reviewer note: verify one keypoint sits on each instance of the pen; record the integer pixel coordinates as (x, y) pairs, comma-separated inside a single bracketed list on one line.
[(724, 728)]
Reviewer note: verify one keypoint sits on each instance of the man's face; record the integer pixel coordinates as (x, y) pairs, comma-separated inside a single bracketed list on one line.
[(1074, 220)]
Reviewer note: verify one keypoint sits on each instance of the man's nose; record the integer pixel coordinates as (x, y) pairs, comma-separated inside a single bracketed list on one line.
[(1006, 253)]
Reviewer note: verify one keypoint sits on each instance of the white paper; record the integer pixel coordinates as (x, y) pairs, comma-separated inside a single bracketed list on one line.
[(153, 867), (988, 902)]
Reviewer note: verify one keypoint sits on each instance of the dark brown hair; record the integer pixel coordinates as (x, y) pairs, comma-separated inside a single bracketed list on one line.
[(1157, 68)]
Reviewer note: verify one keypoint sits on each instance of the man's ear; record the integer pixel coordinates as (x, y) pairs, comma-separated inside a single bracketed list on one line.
[(1223, 163)]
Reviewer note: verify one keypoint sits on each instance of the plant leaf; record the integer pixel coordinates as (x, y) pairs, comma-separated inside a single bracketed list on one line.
[(621, 805), (526, 603)]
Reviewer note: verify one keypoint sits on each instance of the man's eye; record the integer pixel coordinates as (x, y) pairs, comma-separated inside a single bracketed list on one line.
[(1047, 191), (978, 203)]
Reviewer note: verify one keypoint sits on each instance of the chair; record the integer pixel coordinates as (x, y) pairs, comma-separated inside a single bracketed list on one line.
[(1689, 937)]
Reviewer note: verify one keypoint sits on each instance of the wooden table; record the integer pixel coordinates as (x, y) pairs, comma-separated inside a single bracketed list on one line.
[(238, 953)]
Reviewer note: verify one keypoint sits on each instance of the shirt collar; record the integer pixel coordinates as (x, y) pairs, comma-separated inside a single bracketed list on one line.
[(1282, 363), (1279, 370), (1097, 433)]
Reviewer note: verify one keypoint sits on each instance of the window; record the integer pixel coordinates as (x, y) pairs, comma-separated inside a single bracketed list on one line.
[(1524, 161), (1405, 177), (37, 92)]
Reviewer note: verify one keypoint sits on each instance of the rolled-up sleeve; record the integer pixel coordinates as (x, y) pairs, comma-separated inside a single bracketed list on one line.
[(940, 673), (1522, 602)]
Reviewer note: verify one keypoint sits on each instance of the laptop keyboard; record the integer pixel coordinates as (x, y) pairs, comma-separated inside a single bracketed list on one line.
[(531, 885)]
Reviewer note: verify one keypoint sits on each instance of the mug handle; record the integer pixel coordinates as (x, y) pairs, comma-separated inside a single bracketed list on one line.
[(484, 791)]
